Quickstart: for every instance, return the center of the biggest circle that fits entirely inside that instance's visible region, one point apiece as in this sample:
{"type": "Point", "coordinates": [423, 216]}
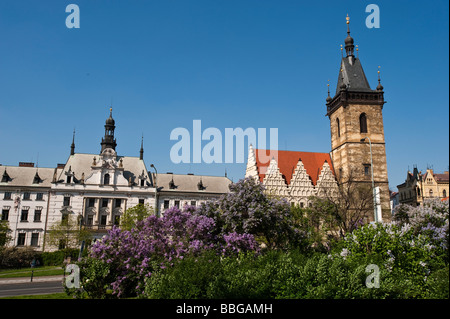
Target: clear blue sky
{"type": "Point", "coordinates": [229, 63]}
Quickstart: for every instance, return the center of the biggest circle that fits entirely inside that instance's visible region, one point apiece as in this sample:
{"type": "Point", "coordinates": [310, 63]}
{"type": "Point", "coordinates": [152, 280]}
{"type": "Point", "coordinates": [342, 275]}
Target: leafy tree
{"type": "Point", "coordinates": [134, 214]}
{"type": "Point", "coordinates": [5, 236]}
{"type": "Point", "coordinates": [68, 233]}
{"type": "Point", "coordinates": [247, 209]}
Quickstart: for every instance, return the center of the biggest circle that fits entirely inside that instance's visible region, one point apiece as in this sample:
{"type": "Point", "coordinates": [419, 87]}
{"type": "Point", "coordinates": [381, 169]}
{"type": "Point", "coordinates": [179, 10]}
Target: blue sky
{"type": "Point", "coordinates": [248, 63]}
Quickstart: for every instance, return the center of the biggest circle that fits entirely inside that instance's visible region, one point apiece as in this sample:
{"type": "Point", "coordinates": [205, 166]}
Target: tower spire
{"type": "Point", "coordinates": [141, 152]}
{"type": "Point", "coordinates": [109, 141]}
{"type": "Point", "coordinates": [72, 147]}
{"type": "Point", "coordinates": [349, 47]}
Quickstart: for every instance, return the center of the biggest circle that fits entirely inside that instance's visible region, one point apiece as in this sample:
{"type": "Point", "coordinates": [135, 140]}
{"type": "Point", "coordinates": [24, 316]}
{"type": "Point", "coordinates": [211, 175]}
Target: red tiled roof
{"type": "Point", "coordinates": [287, 162]}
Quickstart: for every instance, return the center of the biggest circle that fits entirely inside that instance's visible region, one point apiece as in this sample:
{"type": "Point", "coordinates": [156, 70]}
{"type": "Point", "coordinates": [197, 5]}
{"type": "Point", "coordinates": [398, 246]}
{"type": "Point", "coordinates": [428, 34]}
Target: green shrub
{"type": "Point", "coordinates": [56, 258]}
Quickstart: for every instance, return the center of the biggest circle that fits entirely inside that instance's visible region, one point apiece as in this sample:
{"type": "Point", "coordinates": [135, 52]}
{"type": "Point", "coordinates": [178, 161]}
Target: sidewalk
{"type": "Point", "coordinates": [28, 279]}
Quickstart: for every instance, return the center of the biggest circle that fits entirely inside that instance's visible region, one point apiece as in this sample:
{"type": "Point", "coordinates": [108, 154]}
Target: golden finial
{"type": "Point", "coordinates": [348, 19]}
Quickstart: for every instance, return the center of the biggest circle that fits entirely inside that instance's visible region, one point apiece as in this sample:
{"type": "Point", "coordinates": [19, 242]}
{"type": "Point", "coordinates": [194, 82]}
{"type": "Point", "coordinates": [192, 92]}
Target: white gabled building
{"type": "Point", "coordinates": [95, 188]}
{"type": "Point", "coordinates": [294, 176]}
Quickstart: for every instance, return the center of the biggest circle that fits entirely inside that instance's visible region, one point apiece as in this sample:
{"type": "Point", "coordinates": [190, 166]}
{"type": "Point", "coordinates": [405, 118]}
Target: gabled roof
{"type": "Point", "coordinates": [25, 176]}
{"type": "Point", "coordinates": [287, 162]}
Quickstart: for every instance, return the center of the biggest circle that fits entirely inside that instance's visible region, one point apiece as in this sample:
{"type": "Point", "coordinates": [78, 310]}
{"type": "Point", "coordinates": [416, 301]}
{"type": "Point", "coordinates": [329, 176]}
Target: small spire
{"type": "Point", "coordinates": [141, 152]}
{"type": "Point", "coordinates": [72, 147]}
{"type": "Point", "coordinates": [328, 97]}
{"type": "Point", "coordinates": [379, 86]}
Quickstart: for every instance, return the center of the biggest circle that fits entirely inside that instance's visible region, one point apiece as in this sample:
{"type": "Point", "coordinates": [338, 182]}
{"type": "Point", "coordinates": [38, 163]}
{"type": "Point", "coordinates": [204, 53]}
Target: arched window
{"type": "Point", "coordinates": [444, 193]}
{"type": "Point", "coordinates": [338, 127]}
{"type": "Point", "coordinates": [363, 123]}
{"type": "Point", "coordinates": [431, 193]}
{"type": "Point", "coordinates": [106, 179]}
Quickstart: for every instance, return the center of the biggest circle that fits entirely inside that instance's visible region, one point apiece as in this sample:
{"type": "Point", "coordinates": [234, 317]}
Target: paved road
{"type": "Point", "coordinates": [23, 286]}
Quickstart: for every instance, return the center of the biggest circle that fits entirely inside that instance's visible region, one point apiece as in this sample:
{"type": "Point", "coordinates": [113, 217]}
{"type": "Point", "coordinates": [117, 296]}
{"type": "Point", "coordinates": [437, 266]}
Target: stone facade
{"type": "Point", "coordinates": [357, 143]}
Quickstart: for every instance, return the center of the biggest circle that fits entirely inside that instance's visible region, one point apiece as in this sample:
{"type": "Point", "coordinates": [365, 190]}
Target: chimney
{"type": "Point", "coordinates": [26, 164]}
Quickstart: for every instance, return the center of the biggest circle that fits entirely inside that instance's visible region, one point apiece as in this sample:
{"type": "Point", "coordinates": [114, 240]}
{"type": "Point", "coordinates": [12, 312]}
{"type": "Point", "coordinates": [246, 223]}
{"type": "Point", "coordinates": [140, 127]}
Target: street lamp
{"type": "Point", "coordinates": [373, 183]}
{"type": "Point", "coordinates": [156, 191]}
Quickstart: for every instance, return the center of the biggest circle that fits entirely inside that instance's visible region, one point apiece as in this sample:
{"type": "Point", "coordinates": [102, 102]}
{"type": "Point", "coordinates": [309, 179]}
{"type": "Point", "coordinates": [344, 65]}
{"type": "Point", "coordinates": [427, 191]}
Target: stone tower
{"type": "Point", "coordinates": [357, 133]}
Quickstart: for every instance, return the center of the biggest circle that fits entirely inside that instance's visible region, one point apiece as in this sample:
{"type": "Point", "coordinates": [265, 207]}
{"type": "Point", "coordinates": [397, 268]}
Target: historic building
{"type": "Point", "coordinates": [357, 143]}
{"type": "Point", "coordinates": [95, 188]}
{"type": "Point", "coordinates": [419, 187]}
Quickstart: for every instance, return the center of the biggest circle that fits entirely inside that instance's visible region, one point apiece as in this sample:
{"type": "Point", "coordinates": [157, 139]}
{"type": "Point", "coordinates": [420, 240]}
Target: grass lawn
{"type": "Point", "coordinates": [26, 272]}
{"type": "Point", "coordinates": [59, 295]}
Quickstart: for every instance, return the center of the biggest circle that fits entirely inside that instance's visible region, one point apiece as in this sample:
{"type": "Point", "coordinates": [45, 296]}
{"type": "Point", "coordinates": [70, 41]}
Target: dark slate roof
{"type": "Point", "coordinates": [353, 74]}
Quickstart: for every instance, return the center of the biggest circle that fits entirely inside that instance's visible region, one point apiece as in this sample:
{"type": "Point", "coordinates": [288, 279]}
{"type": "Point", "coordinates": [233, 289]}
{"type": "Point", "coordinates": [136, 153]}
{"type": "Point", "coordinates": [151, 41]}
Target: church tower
{"type": "Point", "coordinates": [357, 133]}
{"type": "Point", "coordinates": [109, 141]}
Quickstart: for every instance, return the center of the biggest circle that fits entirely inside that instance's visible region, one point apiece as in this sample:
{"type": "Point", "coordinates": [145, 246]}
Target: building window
{"type": "Point", "coordinates": [166, 204]}
{"type": "Point", "coordinates": [7, 195]}
{"type": "Point", "coordinates": [444, 193]}
{"type": "Point", "coordinates": [106, 179]}
{"type": "Point", "coordinates": [338, 127]}
{"type": "Point", "coordinates": [117, 220]}
{"type": "Point", "coordinates": [90, 220]}
{"type": "Point", "coordinates": [24, 215]}
{"type": "Point", "coordinates": [21, 239]}
{"type": "Point", "coordinates": [5, 214]}
{"type": "Point", "coordinates": [66, 201]}
{"type": "Point", "coordinates": [69, 179]}
{"type": "Point", "coordinates": [37, 215]}
{"type": "Point", "coordinates": [431, 193]}
{"type": "Point", "coordinates": [141, 201]}
{"type": "Point", "coordinates": [35, 239]}
{"type": "Point", "coordinates": [142, 182]}
{"type": "Point", "coordinates": [26, 196]}
{"type": "Point", "coordinates": [104, 202]}
{"type": "Point", "coordinates": [118, 202]}
{"type": "Point", "coordinates": [91, 202]}
{"type": "Point", "coordinates": [363, 123]}
{"type": "Point", "coordinates": [302, 205]}
{"type": "Point", "coordinates": [177, 204]}
{"type": "Point", "coordinates": [193, 203]}
{"type": "Point", "coordinates": [418, 191]}
{"type": "Point", "coordinates": [39, 196]}
{"type": "Point", "coordinates": [103, 220]}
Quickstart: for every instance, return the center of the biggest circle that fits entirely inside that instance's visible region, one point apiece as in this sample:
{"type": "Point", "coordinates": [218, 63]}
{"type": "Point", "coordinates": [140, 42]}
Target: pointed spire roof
{"type": "Point", "coordinates": [141, 152]}
{"type": "Point", "coordinates": [72, 147]}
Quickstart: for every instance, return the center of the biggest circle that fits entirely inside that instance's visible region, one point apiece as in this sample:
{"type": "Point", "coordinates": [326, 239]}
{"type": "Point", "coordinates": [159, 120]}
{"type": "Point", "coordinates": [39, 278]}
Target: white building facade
{"type": "Point", "coordinates": [94, 188]}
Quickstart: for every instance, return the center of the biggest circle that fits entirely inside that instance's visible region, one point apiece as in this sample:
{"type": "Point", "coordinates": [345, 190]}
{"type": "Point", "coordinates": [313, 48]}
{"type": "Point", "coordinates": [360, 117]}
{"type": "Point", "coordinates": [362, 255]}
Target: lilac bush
{"type": "Point", "coordinates": [155, 243]}
{"type": "Point", "coordinates": [247, 209]}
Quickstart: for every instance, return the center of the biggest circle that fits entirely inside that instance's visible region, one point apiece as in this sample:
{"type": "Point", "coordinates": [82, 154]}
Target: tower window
{"type": "Point", "coordinates": [444, 193]}
{"type": "Point", "coordinates": [363, 123]}
{"type": "Point", "coordinates": [106, 179]}
{"type": "Point", "coordinates": [367, 169]}
{"type": "Point", "coordinates": [338, 128]}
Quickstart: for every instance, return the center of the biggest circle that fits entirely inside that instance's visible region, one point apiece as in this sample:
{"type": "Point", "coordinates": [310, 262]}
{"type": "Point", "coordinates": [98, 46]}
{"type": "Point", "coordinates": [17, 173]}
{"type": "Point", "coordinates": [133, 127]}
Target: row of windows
{"type": "Point", "coordinates": [430, 194]}
{"type": "Point", "coordinates": [362, 124]}
{"type": "Point", "coordinates": [177, 203]}
{"type": "Point", "coordinates": [23, 215]}
{"type": "Point", "coordinates": [21, 238]}
{"type": "Point", "coordinates": [25, 196]}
